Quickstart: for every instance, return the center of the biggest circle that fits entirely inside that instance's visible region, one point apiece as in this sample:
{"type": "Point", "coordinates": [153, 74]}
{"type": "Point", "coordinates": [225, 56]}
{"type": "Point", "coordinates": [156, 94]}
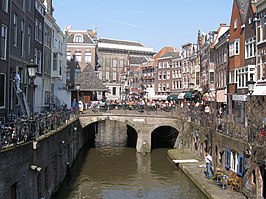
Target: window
{"type": "Point", "coordinates": [36, 29]}
{"type": "Point", "coordinates": [234, 48]}
{"type": "Point", "coordinates": [197, 78]}
{"type": "Point", "coordinates": [40, 32]}
{"type": "Point", "coordinates": [2, 89]}
{"type": "Point", "coordinates": [227, 158]}
{"type": "Point", "coordinates": [67, 73]}
{"type": "Point", "coordinates": [78, 38]}
{"type": "Point", "coordinates": [250, 48]}
{"type": "Point", "coordinates": [3, 42]}
{"type": "Point", "coordinates": [23, 5]}
{"type": "Point", "coordinates": [233, 162]}
{"type": "Point", "coordinates": [114, 76]}
{"type": "Point", "coordinates": [39, 69]}
{"type": "Point", "coordinates": [45, 39]}
{"type": "Point", "coordinates": [211, 77]}
{"type": "Point", "coordinates": [15, 27]}
{"type": "Point", "coordinates": [55, 61]}
{"type": "Point", "coordinates": [5, 5]}
{"type": "Point", "coordinates": [240, 169]}
{"type": "Point", "coordinates": [22, 37]}
{"type": "Point", "coordinates": [121, 62]}
{"type": "Point", "coordinates": [114, 64]}
{"type": "Point", "coordinates": [77, 73]}
{"type": "Point", "coordinates": [243, 75]}
{"type": "Point", "coordinates": [14, 191]}
{"type": "Point", "coordinates": [60, 67]}
{"type": "Point", "coordinates": [114, 91]}
{"type": "Point", "coordinates": [30, 5]}
{"type": "Point", "coordinates": [78, 56]}
{"type": "Point", "coordinates": [259, 34]}
{"type": "Point", "coordinates": [36, 56]}
{"type": "Point", "coordinates": [160, 76]}
{"type": "Point", "coordinates": [68, 55]}
{"type": "Point", "coordinates": [164, 75]}
{"type": "Point", "coordinates": [88, 56]}
{"type": "Point", "coordinates": [29, 39]}
{"type": "Point", "coordinates": [235, 23]}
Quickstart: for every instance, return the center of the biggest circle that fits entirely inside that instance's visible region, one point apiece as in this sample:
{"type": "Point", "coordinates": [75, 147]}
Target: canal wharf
{"type": "Point", "coordinates": [194, 170]}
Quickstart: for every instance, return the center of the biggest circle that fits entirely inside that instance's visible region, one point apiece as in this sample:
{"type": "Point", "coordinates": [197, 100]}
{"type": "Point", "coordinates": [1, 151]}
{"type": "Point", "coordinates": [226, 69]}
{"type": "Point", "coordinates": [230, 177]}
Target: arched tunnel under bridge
{"type": "Point", "coordinates": [110, 133]}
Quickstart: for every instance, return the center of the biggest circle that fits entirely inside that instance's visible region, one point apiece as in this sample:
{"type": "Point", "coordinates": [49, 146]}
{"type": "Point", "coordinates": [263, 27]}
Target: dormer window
{"type": "Point", "coordinates": [235, 24]}
{"type": "Point", "coordinates": [78, 39]}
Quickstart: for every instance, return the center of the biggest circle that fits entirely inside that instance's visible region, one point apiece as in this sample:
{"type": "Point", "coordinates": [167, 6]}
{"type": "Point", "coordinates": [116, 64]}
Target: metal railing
{"type": "Point", "coordinates": [26, 129]}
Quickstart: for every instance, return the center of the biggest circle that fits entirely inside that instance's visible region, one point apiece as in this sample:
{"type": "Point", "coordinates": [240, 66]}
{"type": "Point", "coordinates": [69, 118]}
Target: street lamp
{"type": "Point", "coordinates": [32, 69]}
{"type": "Point", "coordinates": [78, 88]}
{"type": "Point", "coordinates": [191, 85]}
{"type": "Point", "coordinates": [251, 85]}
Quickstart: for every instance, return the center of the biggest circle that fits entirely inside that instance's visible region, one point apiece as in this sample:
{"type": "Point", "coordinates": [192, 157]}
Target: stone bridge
{"type": "Point", "coordinates": [143, 124]}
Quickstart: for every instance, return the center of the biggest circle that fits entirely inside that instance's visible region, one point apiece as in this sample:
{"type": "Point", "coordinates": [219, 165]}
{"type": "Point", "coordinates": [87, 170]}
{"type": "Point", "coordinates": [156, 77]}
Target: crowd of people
{"type": "Point", "coordinates": [189, 106]}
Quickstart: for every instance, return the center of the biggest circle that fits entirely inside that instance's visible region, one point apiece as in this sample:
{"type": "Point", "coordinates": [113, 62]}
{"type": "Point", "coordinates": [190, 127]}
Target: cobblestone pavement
{"type": "Point", "coordinates": [195, 171]}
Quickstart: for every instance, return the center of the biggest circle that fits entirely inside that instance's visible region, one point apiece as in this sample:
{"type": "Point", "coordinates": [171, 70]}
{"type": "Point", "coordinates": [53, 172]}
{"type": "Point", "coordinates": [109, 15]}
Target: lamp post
{"type": "Point", "coordinates": [251, 85]}
{"type": "Point", "coordinates": [78, 88]}
{"type": "Point", "coordinates": [32, 69]}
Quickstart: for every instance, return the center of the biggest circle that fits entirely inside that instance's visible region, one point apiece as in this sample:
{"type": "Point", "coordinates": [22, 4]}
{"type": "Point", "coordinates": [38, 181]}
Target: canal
{"type": "Point", "coordinates": [121, 172]}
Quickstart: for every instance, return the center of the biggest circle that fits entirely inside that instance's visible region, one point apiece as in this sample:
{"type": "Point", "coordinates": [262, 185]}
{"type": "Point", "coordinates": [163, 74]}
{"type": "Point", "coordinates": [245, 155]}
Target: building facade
{"type": "Point", "coordinates": [4, 60]}
{"type": "Point", "coordinates": [113, 56]}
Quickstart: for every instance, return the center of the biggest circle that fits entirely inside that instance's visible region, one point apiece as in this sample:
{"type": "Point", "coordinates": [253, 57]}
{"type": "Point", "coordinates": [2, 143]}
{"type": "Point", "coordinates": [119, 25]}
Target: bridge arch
{"type": "Point", "coordinates": [91, 120]}
{"type": "Point", "coordinates": [144, 125]}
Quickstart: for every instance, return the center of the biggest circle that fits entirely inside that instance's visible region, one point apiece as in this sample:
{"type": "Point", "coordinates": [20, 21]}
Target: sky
{"type": "Point", "coordinates": [153, 23]}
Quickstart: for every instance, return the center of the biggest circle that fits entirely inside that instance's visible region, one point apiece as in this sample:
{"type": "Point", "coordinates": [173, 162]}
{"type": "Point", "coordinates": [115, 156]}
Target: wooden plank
{"type": "Point", "coordinates": [185, 161]}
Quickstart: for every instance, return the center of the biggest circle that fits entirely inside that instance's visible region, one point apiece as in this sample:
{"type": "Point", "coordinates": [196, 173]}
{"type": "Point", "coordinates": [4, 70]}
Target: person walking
{"type": "Point", "coordinates": [208, 160]}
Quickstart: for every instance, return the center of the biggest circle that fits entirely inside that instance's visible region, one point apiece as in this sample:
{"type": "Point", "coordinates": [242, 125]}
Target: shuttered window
{"type": "Point", "coordinates": [227, 159]}
{"type": "Point", "coordinates": [240, 169]}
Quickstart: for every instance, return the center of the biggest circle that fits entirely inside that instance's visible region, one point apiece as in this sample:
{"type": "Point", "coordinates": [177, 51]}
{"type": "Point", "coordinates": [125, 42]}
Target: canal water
{"type": "Point", "coordinates": [121, 173]}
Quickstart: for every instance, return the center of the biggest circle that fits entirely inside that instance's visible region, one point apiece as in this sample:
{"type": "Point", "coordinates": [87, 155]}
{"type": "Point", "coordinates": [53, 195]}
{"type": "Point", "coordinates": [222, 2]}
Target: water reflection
{"type": "Point", "coordinates": [117, 173]}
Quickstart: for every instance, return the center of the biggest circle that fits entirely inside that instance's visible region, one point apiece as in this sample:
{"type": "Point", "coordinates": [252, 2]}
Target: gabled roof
{"type": "Point", "coordinates": [165, 50]}
{"type": "Point", "coordinates": [137, 60]}
{"type": "Point", "coordinates": [120, 42]}
{"type": "Point", "coordinates": [89, 81]}
{"type": "Point", "coordinates": [173, 55]}
{"type": "Point", "coordinates": [86, 37]}
{"type": "Point", "coordinates": [221, 30]}
{"type": "Point", "coordinates": [243, 7]}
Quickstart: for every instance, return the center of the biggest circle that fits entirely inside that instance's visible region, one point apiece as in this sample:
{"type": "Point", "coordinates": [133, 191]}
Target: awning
{"type": "Point", "coordinates": [181, 95]}
{"type": "Point", "coordinates": [260, 89]}
{"type": "Point", "coordinates": [158, 97]}
{"type": "Point", "coordinates": [221, 97]}
{"type": "Point", "coordinates": [172, 97]}
{"type": "Point", "coordinates": [209, 96]}
{"type": "Point", "coordinates": [188, 95]}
